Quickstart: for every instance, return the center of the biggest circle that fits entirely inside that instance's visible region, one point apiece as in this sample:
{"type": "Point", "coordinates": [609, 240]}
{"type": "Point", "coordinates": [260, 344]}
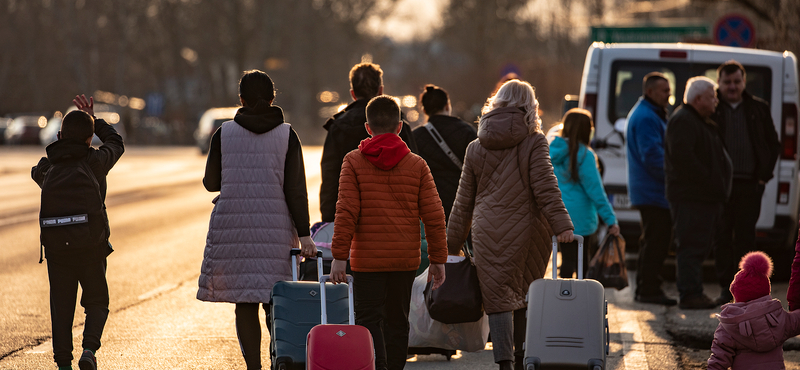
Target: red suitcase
{"type": "Point", "coordinates": [339, 347]}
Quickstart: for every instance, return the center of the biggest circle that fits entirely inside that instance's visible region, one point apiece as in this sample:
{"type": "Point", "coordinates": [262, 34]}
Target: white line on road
{"type": "Point", "coordinates": [162, 289]}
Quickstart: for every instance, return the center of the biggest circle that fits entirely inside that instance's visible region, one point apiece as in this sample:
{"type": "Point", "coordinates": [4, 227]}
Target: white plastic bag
{"type": "Point", "coordinates": [426, 332]}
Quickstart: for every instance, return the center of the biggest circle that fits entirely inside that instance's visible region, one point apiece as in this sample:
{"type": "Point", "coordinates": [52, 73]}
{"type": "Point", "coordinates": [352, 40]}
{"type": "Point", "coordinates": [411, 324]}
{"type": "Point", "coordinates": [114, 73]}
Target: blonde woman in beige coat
{"type": "Point", "coordinates": [509, 197]}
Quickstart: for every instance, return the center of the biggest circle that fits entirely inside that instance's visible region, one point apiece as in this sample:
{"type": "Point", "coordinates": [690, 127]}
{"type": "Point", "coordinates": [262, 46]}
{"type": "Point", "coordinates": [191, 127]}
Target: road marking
{"type": "Point", "coordinates": [162, 289]}
{"type": "Point", "coordinates": [47, 346]}
{"type": "Point", "coordinates": [633, 347]}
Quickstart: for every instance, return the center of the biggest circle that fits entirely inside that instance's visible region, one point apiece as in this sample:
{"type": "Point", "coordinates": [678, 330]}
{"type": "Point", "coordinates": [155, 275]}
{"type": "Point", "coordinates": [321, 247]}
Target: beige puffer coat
{"type": "Point", "coordinates": [512, 218]}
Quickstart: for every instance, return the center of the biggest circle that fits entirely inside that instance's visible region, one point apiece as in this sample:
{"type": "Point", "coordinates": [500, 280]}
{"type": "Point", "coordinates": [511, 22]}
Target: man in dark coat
{"type": "Point", "coordinates": [698, 182]}
{"type": "Point", "coordinates": [746, 127]}
{"type": "Point", "coordinates": [346, 130]}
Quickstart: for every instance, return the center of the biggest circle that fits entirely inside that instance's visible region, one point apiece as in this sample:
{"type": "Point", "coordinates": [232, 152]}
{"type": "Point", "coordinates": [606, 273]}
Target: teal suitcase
{"type": "Point", "coordinates": [295, 310]}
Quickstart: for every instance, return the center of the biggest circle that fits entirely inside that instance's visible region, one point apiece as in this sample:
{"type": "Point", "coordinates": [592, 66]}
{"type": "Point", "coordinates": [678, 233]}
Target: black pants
{"type": "Point", "coordinates": [382, 301]}
{"type": "Point", "coordinates": [64, 280]}
{"type": "Point", "coordinates": [695, 229]}
{"type": "Point", "coordinates": [248, 330]}
{"type": "Point", "coordinates": [653, 248]}
{"type": "Point", "coordinates": [737, 230]}
{"type": "Point", "coordinates": [569, 256]}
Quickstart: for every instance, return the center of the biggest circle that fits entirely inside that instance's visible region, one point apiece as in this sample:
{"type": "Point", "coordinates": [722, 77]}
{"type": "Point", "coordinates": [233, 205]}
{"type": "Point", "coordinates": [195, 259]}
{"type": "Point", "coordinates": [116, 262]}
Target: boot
{"type": "Point", "coordinates": [506, 365]}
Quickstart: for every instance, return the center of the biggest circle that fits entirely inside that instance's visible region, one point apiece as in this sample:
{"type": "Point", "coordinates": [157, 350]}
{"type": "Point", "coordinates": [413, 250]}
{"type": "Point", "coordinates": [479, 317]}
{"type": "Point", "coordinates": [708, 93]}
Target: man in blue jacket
{"type": "Point", "coordinates": [647, 124]}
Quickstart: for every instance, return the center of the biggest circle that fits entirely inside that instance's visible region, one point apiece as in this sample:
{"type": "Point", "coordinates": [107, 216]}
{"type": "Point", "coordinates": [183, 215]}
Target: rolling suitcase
{"type": "Point", "coordinates": [295, 310]}
{"type": "Point", "coordinates": [339, 347]}
{"type": "Point", "coordinates": [567, 323]}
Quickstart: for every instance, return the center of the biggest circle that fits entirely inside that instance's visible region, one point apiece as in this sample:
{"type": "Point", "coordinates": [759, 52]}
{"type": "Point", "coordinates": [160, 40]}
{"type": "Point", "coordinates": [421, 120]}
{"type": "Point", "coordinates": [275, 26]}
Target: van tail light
{"type": "Point", "coordinates": [589, 102]}
{"type": "Point", "coordinates": [783, 192]}
{"type": "Point", "coordinates": [789, 131]}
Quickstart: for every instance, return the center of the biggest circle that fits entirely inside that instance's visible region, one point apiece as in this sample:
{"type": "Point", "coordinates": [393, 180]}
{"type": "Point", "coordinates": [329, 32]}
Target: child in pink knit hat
{"type": "Point", "coordinates": [752, 330]}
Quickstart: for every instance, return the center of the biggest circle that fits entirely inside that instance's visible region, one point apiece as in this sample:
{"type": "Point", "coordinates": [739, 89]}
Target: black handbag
{"type": "Point", "coordinates": [458, 299]}
{"type": "Point", "coordinates": [608, 264]}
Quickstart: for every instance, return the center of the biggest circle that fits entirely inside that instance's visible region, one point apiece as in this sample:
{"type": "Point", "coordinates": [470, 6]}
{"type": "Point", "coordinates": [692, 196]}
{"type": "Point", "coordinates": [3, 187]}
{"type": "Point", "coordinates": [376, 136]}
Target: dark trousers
{"type": "Point", "coordinates": [737, 230]}
{"type": "Point", "coordinates": [382, 301]}
{"type": "Point", "coordinates": [64, 280]}
{"type": "Point", "coordinates": [695, 228]}
{"type": "Point", "coordinates": [569, 256]}
{"type": "Point", "coordinates": [248, 330]}
{"type": "Point", "coordinates": [654, 245]}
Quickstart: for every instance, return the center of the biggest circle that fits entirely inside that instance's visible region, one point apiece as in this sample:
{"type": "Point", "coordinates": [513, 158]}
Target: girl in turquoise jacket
{"type": "Point", "coordinates": [575, 166]}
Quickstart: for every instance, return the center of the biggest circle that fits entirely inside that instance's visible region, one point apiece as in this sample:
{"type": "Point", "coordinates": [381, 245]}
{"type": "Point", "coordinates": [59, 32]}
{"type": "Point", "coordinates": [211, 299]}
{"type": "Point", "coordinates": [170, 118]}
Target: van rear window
{"type": "Point", "coordinates": [627, 75]}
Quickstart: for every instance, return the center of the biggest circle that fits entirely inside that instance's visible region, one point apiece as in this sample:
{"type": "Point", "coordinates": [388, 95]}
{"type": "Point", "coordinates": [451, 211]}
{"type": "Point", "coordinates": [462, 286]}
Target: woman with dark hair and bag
{"type": "Point", "coordinates": [575, 166]}
{"type": "Point", "coordinates": [441, 133]}
{"type": "Point", "coordinates": [509, 198]}
{"type": "Point", "coordinates": [255, 161]}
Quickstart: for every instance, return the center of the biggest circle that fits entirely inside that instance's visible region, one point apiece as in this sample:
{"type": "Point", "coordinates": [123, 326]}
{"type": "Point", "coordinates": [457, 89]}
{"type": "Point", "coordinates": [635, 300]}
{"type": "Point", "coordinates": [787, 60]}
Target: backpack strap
{"type": "Point", "coordinates": [442, 144]}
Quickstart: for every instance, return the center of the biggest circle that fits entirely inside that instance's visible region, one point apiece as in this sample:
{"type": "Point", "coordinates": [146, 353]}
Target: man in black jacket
{"type": "Point", "coordinates": [746, 127]}
{"type": "Point", "coordinates": [346, 130]}
{"type": "Point", "coordinates": [87, 268]}
{"type": "Point", "coordinates": [698, 182]}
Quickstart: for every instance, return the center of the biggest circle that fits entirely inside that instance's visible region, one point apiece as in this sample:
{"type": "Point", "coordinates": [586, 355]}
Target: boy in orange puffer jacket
{"type": "Point", "coordinates": [384, 190]}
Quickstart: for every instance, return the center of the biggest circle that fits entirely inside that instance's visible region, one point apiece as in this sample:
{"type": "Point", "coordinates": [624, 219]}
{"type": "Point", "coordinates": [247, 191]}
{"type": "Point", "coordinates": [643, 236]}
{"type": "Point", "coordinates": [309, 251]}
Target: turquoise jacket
{"type": "Point", "coordinates": [586, 198]}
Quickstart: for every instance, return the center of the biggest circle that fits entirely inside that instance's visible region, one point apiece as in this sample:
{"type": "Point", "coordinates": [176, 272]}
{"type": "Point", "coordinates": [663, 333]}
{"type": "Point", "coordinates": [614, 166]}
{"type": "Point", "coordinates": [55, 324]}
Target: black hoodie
{"type": "Point", "coordinates": [261, 119]}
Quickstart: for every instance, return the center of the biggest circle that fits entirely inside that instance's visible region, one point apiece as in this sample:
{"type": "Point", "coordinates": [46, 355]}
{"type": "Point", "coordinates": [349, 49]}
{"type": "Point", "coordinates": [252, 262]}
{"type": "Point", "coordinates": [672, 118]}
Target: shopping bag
{"type": "Point", "coordinates": [458, 299]}
{"type": "Point", "coordinates": [608, 264]}
{"type": "Point", "coordinates": [427, 332]}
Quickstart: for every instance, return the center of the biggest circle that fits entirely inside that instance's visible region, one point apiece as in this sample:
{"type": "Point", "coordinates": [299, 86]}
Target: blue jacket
{"type": "Point", "coordinates": [586, 197]}
{"type": "Point", "coordinates": [645, 148]}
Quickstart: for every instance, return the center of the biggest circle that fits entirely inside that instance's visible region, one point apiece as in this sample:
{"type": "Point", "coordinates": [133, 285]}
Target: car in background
{"type": "Point", "coordinates": [4, 122]}
{"type": "Point", "coordinates": [210, 121]}
{"type": "Point", "coordinates": [612, 83]}
{"type": "Point", "coordinates": [101, 111]}
{"type": "Point", "coordinates": [24, 130]}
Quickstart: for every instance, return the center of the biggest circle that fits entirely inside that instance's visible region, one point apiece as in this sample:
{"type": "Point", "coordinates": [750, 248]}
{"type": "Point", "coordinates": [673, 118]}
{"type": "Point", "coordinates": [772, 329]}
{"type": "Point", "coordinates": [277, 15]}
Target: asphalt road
{"type": "Point", "coordinates": [159, 211]}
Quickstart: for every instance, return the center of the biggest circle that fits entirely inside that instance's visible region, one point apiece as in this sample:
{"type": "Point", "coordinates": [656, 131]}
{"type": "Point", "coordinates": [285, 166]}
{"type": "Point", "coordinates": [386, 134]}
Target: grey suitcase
{"type": "Point", "coordinates": [567, 321]}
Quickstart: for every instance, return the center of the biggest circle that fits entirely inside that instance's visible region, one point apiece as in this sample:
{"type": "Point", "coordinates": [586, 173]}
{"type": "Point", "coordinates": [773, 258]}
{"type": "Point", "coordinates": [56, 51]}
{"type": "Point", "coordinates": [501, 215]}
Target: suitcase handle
{"type": "Point", "coordinates": [350, 305]}
{"type": "Point", "coordinates": [294, 253]}
{"type": "Point", "coordinates": [580, 257]}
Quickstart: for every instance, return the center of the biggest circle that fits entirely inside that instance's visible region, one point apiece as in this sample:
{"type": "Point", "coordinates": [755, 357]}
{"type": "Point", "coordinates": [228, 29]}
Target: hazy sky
{"type": "Point", "coordinates": [407, 19]}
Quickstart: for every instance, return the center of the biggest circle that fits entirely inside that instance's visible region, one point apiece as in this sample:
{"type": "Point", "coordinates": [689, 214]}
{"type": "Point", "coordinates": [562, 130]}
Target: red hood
{"type": "Point", "coordinates": [384, 151]}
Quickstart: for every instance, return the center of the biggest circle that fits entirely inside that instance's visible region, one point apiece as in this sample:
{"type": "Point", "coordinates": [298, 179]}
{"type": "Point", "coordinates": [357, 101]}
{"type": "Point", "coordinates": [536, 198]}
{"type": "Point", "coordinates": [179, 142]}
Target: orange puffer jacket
{"type": "Point", "coordinates": [378, 213]}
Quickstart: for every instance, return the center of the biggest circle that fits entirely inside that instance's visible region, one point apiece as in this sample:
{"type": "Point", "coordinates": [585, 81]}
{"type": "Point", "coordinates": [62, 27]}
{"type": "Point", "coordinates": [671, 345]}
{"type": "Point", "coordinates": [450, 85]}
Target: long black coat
{"type": "Point", "coordinates": [696, 165]}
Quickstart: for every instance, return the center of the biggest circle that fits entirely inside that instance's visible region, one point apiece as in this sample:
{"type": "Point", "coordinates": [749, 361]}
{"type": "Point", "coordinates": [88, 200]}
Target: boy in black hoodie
{"type": "Point", "coordinates": [63, 221]}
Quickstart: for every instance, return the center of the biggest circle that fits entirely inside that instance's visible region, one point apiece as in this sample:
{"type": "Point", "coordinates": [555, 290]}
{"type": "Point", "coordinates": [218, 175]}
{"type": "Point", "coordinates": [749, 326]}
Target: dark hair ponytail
{"type": "Point", "coordinates": [434, 99]}
{"type": "Point", "coordinates": [255, 86]}
{"type": "Point", "coordinates": [577, 130]}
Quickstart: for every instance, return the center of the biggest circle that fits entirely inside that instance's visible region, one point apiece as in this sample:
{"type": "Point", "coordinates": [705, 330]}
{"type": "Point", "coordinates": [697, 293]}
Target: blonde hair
{"type": "Point", "coordinates": [516, 93]}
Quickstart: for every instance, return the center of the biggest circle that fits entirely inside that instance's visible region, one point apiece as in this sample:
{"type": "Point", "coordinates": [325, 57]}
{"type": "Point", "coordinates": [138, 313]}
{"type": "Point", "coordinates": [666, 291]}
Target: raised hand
{"type": "Point", "coordinates": [86, 105]}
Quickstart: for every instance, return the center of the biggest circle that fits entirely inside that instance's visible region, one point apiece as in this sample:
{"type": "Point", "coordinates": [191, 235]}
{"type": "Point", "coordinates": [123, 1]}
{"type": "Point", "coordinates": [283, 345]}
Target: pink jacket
{"type": "Point", "coordinates": [750, 335]}
{"type": "Point", "coordinates": [793, 294]}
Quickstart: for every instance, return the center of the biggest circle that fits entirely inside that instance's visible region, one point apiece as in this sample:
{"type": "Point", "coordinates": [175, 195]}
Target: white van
{"type": "Point", "coordinates": [612, 83]}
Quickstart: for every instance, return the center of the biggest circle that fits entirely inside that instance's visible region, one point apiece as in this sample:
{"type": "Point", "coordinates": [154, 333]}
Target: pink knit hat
{"type": "Point", "coordinates": [752, 280]}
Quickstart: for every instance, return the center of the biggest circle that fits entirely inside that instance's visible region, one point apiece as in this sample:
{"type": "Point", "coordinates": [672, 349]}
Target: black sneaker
{"type": "Point", "coordinates": [698, 302]}
{"type": "Point", "coordinates": [87, 361]}
{"type": "Point", "coordinates": [661, 299]}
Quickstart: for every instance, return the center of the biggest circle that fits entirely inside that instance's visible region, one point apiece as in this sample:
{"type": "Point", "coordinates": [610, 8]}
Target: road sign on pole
{"type": "Point", "coordinates": [735, 30]}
